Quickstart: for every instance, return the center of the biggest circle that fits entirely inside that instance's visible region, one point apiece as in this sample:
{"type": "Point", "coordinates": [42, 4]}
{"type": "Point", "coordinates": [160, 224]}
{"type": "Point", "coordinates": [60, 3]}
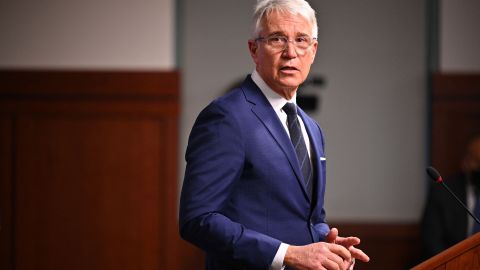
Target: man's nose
{"type": "Point", "coordinates": [290, 50]}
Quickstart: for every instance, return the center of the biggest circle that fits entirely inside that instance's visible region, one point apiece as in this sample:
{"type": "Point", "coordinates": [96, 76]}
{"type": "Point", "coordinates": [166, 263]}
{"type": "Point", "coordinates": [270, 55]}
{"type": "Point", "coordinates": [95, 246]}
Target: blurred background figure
{"type": "Point", "coordinates": [444, 222]}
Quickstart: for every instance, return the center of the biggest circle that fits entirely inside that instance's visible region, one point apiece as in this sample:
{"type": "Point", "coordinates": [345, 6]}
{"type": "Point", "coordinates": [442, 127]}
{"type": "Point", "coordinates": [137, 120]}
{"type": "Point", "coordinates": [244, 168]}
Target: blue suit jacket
{"type": "Point", "coordinates": [243, 192]}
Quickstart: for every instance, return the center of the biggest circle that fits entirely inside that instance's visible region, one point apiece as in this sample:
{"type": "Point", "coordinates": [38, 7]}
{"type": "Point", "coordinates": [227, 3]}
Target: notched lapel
{"type": "Point", "coordinates": [316, 147]}
{"type": "Point", "coordinates": [265, 113]}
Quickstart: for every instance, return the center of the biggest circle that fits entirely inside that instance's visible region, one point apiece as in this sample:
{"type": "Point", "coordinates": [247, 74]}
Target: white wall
{"type": "Point", "coordinates": [89, 34]}
{"type": "Point", "coordinates": [459, 36]}
{"type": "Point", "coordinates": [372, 54]}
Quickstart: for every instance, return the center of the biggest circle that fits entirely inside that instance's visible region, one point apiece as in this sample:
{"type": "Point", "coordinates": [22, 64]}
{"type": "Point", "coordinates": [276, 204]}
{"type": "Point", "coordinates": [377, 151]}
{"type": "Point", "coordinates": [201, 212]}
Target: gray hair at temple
{"type": "Point", "coordinates": [266, 7]}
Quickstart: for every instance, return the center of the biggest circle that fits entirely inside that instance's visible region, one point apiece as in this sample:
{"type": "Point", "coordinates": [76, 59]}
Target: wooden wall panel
{"type": "Point", "coordinates": [89, 170]}
{"type": "Point", "coordinates": [6, 214]}
{"type": "Point", "coordinates": [76, 84]}
{"type": "Point", "coordinates": [392, 246]}
{"type": "Point", "coordinates": [455, 118]}
{"type": "Point", "coordinates": [106, 214]}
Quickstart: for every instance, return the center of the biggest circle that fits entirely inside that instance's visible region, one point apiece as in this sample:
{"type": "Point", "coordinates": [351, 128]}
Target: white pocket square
{"type": "Point", "coordinates": [322, 159]}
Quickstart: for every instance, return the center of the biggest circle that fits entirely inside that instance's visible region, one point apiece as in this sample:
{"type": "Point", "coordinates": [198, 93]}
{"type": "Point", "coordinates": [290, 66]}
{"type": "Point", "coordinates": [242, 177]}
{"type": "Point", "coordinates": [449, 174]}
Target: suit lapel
{"type": "Point", "coordinates": [265, 113]}
{"type": "Point", "coordinates": [316, 148]}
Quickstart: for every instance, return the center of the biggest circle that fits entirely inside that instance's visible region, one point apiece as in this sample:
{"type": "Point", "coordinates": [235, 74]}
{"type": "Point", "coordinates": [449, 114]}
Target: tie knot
{"type": "Point", "coordinates": [290, 109]}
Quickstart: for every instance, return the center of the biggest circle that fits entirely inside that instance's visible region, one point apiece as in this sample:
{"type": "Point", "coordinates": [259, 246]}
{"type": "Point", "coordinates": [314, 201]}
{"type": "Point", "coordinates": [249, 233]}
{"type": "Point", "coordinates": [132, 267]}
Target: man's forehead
{"type": "Point", "coordinates": [286, 22]}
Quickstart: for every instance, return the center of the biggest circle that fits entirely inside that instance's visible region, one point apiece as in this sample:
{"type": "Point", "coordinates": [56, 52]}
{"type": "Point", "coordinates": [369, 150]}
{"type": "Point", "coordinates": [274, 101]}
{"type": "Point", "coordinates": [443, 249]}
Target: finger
{"type": "Point", "coordinates": [359, 254]}
{"type": "Point", "coordinates": [332, 265]}
{"type": "Point", "coordinates": [347, 241]}
{"type": "Point", "coordinates": [340, 251]}
{"type": "Point", "coordinates": [335, 258]}
{"type": "Point", "coordinates": [332, 235]}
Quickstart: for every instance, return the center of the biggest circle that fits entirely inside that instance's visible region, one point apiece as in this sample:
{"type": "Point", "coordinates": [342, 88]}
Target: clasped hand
{"type": "Point", "coordinates": [335, 253]}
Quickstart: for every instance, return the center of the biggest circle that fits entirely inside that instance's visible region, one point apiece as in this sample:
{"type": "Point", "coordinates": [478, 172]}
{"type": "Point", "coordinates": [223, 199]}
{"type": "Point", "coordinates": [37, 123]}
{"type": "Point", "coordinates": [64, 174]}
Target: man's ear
{"type": "Point", "coordinates": [252, 48]}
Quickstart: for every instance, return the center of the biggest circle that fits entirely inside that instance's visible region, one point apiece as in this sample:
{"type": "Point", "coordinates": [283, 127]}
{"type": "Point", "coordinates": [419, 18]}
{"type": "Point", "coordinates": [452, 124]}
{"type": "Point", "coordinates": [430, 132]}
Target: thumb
{"type": "Point", "coordinates": [331, 236]}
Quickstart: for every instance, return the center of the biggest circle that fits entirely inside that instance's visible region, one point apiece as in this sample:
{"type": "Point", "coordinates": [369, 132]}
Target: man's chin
{"type": "Point", "coordinates": [290, 84]}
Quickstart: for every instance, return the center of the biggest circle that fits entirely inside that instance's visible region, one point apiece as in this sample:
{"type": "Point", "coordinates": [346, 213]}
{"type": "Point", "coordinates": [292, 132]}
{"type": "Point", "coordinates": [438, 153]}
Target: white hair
{"type": "Point", "coordinates": [264, 8]}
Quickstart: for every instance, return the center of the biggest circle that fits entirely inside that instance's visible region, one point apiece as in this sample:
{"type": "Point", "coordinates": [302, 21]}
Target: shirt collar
{"type": "Point", "coordinates": [274, 99]}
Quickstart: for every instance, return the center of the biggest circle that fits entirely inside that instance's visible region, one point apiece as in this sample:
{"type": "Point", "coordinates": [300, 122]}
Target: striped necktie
{"type": "Point", "coordinates": [298, 142]}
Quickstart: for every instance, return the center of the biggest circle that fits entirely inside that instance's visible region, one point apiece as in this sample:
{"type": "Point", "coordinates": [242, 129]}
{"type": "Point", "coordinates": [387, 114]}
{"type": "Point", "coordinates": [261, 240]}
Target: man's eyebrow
{"type": "Point", "coordinates": [277, 33]}
{"type": "Point", "coordinates": [280, 33]}
{"type": "Point", "coordinates": [301, 34]}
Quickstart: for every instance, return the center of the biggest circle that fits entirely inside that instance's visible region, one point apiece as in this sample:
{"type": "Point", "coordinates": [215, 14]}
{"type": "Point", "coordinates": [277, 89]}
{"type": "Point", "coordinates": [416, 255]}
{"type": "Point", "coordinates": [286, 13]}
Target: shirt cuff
{"type": "Point", "coordinates": [277, 263]}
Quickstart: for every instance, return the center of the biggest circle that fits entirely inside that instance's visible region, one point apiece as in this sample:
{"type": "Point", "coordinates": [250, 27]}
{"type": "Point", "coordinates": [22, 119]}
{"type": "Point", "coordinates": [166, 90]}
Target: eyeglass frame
{"type": "Point", "coordinates": [266, 39]}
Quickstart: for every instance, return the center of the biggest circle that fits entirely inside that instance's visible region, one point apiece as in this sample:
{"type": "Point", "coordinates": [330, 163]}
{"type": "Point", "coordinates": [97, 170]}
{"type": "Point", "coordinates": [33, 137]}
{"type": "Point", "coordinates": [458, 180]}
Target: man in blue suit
{"type": "Point", "coordinates": [254, 185]}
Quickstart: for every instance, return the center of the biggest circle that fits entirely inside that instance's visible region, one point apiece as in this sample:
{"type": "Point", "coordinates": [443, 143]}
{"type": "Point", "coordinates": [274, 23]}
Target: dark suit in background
{"type": "Point", "coordinates": [444, 222]}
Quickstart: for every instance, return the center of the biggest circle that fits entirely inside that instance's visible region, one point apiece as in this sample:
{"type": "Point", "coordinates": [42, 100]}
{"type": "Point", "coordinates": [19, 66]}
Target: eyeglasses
{"type": "Point", "coordinates": [279, 43]}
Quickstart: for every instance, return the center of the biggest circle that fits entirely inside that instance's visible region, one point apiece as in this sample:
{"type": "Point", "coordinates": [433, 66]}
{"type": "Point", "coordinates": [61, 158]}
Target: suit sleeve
{"type": "Point", "coordinates": [215, 159]}
{"type": "Point", "coordinates": [321, 227]}
{"type": "Point", "coordinates": [432, 228]}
